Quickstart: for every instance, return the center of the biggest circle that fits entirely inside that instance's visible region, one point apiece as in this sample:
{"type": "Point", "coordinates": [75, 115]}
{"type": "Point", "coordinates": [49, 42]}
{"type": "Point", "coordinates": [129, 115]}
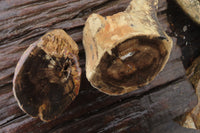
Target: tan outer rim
{"type": "Point", "coordinates": [192, 8]}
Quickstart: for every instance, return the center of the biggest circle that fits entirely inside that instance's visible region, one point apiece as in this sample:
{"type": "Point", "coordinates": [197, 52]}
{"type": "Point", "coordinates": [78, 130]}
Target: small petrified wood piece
{"type": "Point", "coordinates": [192, 8]}
{"type": "Point", "coordinates": [47, 77]}
{"type": "Point", "coordinates": [127, 50]}
{"type": "Point", "coordinates": [192, 118]}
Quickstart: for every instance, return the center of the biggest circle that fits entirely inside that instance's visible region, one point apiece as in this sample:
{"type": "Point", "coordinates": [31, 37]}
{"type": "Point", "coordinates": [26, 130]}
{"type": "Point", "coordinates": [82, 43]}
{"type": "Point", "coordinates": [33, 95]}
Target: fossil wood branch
{"type": "Point", "coordinates": [47, 76]}
{"type": "Point", "coordinates": [127, 50]}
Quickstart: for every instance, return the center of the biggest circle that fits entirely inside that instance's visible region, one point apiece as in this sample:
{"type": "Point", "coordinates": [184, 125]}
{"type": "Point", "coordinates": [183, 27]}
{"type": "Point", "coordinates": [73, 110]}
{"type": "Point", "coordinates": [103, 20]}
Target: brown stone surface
{"type": "Point", "coordinates": [22, 22]}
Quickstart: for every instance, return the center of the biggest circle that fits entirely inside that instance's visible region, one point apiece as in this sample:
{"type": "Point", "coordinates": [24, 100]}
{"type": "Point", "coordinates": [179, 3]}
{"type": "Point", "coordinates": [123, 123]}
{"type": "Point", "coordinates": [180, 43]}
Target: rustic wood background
{"type": "Point", "coordinates": [150, 109]}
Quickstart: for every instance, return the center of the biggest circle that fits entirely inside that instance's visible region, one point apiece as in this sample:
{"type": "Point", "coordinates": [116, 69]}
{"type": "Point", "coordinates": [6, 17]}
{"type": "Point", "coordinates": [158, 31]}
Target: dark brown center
{"type": "Point", "coordinates": [133, 62]}
{"type": "Point", "coordinates": [44, 84]}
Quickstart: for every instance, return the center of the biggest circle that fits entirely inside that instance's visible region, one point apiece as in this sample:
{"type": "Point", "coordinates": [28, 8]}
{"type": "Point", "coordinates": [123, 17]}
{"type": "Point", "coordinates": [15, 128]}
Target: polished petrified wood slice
{"type": "Point", "coordinates": [47, 77]}
{"type": "Point", "coordinates": [192, 118]}
{"type": "Point", "coordinates": [127, 50]}
{"type": "Point", "coordinates": [192, 8]}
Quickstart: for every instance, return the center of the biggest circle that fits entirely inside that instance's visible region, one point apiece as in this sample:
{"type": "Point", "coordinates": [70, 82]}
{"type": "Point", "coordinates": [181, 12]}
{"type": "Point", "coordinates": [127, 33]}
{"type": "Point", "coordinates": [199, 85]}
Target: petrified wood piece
{"type": "Point", "coordinates": [47, 77]}
{"type": "Point", "coordinates": [127, 50]}
{"type": "Point", "coordinates": [192, 8]}
{"type": "Point", "coordinates": [192, 118]}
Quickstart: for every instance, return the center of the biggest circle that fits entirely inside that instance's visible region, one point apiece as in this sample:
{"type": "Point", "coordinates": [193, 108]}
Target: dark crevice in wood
{"type": "Point", "coordinates": [3, 86]}
{"type": "Point", "coordinates": [14, 120]}
{"type": "Point", "coordinates": [75, 30]}
{"type": "Point", "coordinates": [10, 121]}
{"type": "Point", "coordinates": [160, 87]}
{"type": "Point", "coordinates": [7, 80]}
{"type": "Point", "coordinates": [32, 36]}
{"type": "Point", "coordinates": [103, 5]}
{"type": "Point", "coordinates": [162, 12]}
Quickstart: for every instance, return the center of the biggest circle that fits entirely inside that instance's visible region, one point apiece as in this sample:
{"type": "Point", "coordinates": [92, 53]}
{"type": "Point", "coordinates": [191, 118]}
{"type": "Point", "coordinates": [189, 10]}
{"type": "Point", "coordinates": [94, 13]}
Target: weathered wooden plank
{"type": "Point", "coordinates": [162, 106]}
{"type": "Point", "coordinates": [132, 114]}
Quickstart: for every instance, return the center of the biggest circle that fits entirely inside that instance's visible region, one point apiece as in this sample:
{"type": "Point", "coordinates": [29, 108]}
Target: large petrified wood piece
{"type": "Point", "coordinates": [24, 21]}
{"type": "Point", "coordinates": [47, 76]}
{"type": "Point", "coordinates": [126, 50]}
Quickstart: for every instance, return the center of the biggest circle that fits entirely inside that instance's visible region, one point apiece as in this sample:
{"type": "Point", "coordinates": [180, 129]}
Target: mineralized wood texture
{"type": "Point", "coordinates": [24, 21]}
{"type": "Point", "coordinates": [47, 76]}
{"type": "Point", "coordinates": [127, 50]}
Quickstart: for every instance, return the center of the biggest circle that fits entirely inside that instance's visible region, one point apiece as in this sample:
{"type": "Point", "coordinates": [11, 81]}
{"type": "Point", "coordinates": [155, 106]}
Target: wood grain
{"type": "Point", "coordinates": [23, 21]}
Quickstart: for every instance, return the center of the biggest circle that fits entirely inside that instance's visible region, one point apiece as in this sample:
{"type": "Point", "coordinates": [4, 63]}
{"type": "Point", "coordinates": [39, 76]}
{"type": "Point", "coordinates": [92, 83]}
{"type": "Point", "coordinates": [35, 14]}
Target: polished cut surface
{"type": "Point", "coordinates": [47, 77]}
